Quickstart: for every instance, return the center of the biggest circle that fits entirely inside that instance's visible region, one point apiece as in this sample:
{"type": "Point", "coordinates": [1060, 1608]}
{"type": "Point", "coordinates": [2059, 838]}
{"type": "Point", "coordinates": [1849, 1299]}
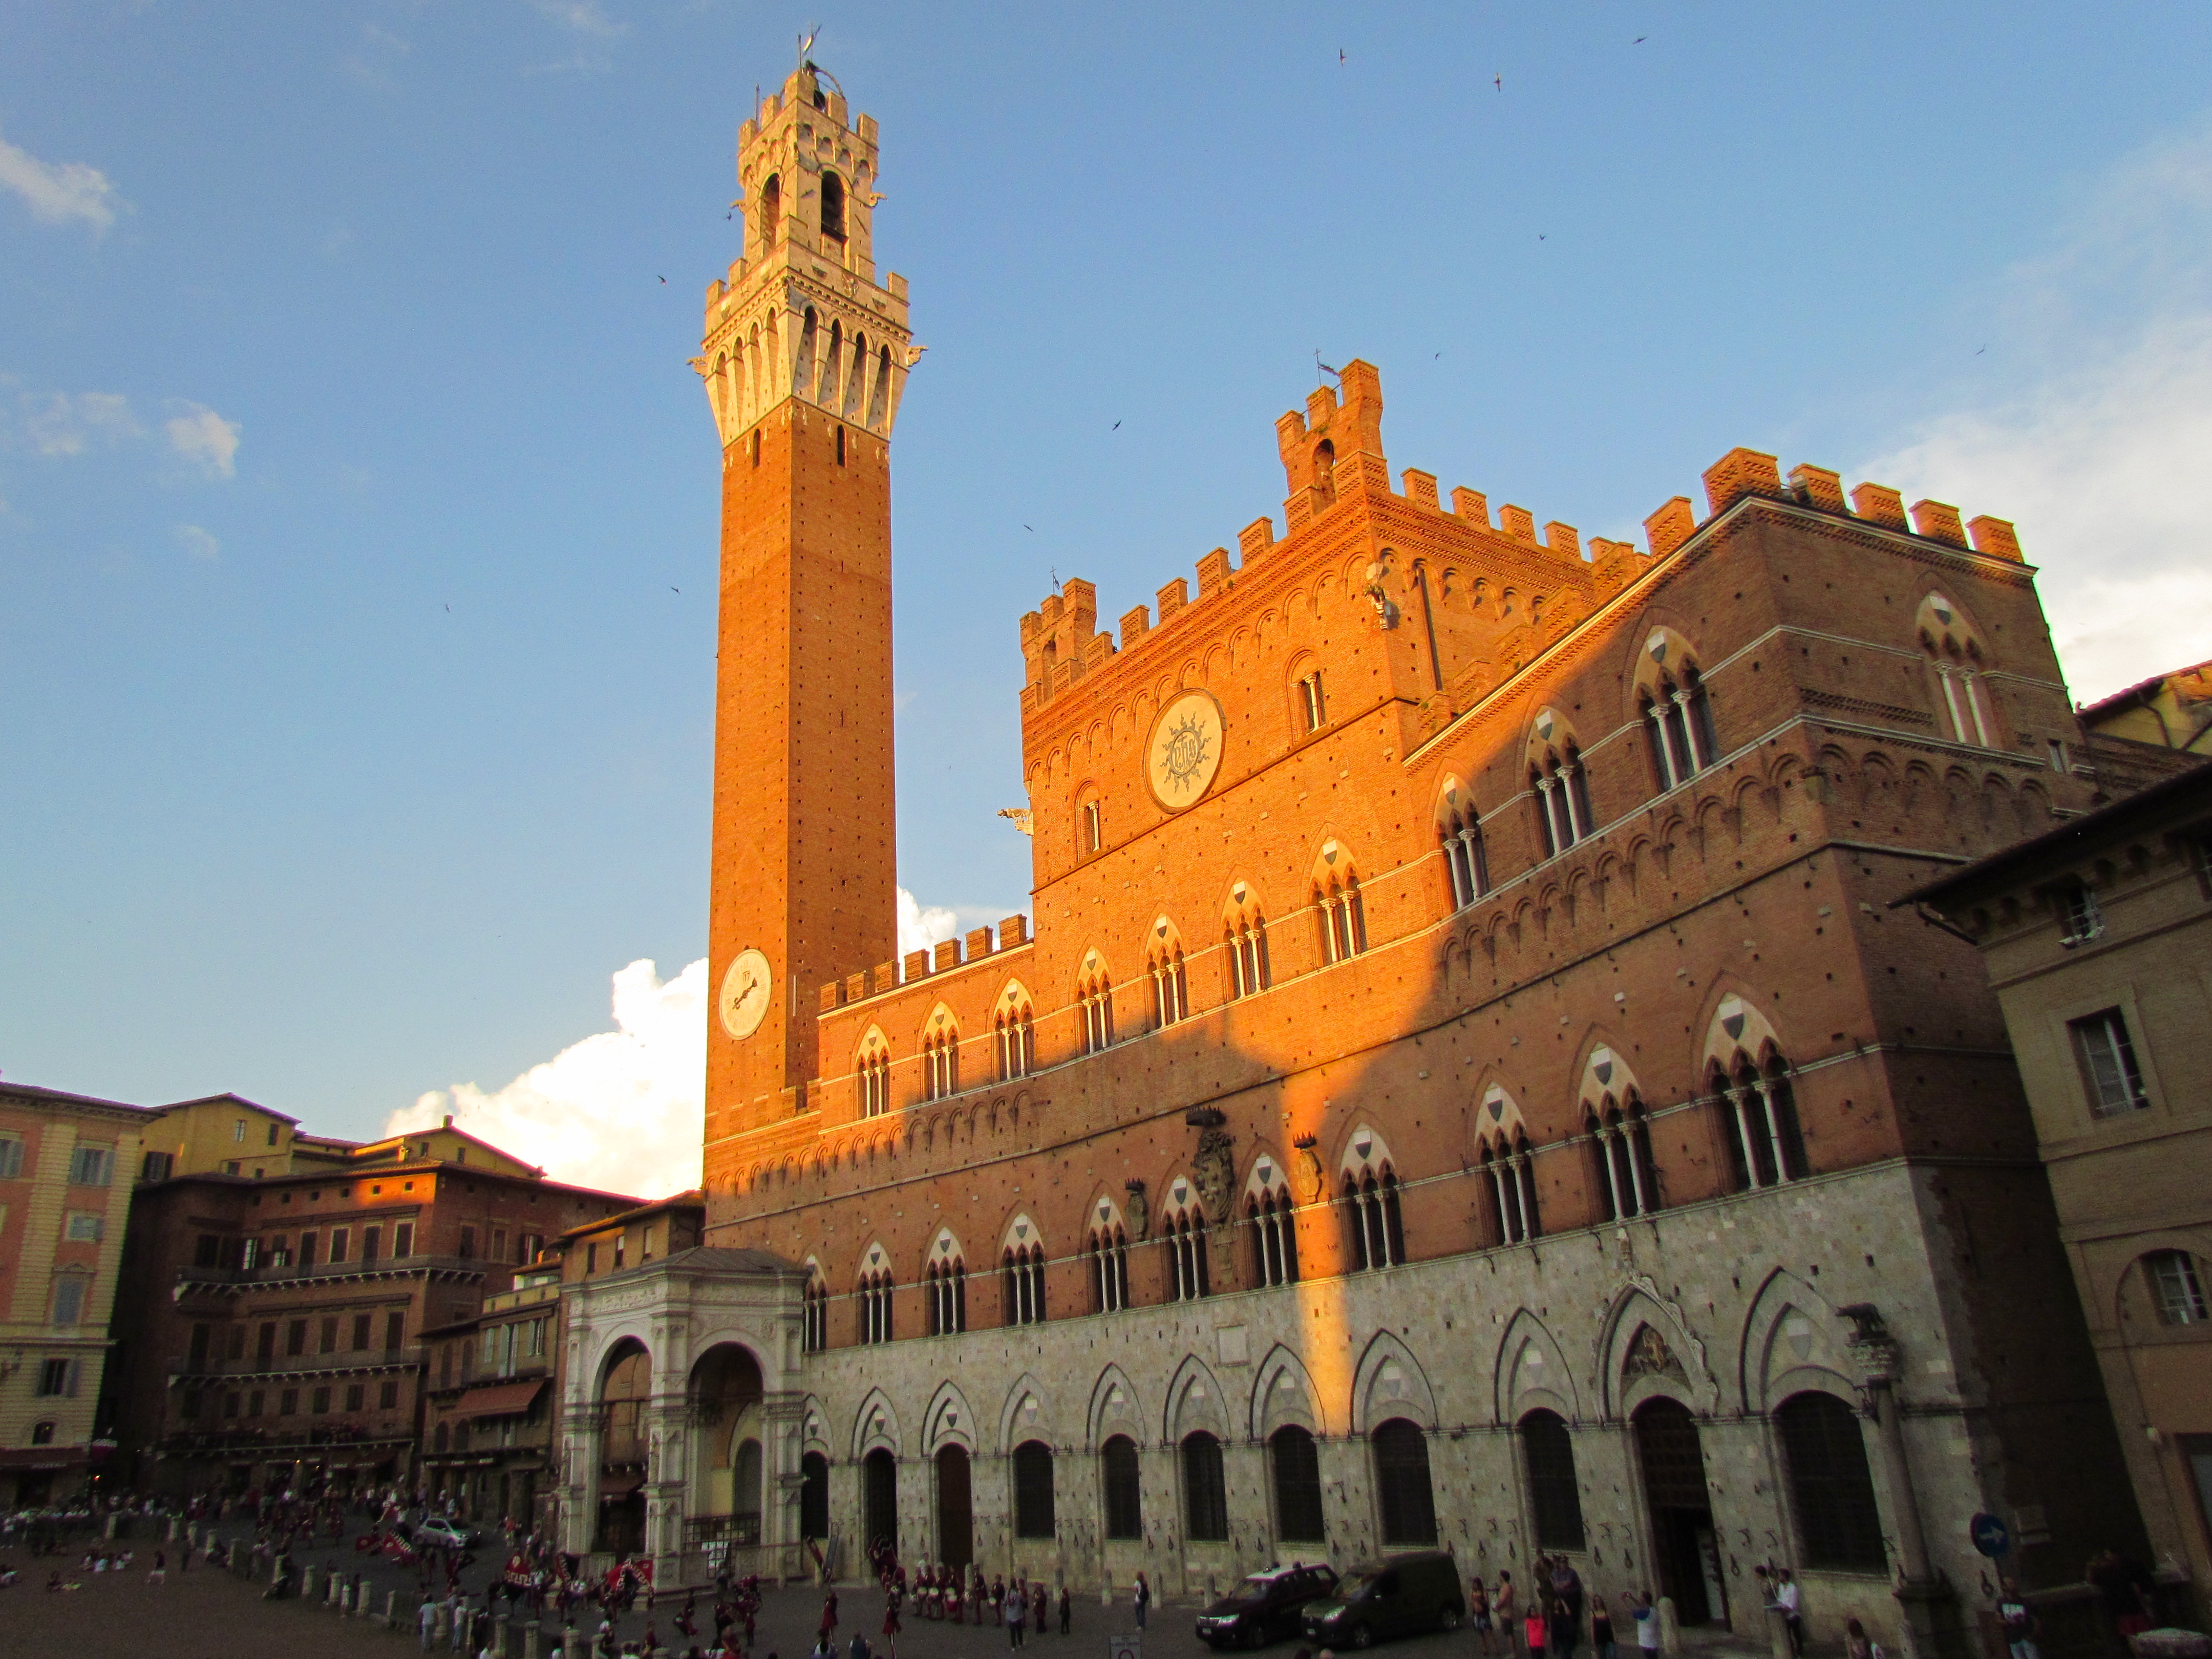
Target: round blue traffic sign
{"type": "Point", "coordinates": [1991, 1535]}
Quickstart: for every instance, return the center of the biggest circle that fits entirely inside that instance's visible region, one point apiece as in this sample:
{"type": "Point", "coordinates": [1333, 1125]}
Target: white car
{"type": "Point", "coordinates": [440, 1533]}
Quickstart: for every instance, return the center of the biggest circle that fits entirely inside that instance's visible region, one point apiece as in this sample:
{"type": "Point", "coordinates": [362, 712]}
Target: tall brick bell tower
{"type": "Point", "coordinates": [805, 357]}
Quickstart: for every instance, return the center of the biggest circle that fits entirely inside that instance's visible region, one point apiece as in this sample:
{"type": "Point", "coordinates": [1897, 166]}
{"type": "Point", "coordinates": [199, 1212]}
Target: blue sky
{"type": "Point", "coordinates": [354, 732]}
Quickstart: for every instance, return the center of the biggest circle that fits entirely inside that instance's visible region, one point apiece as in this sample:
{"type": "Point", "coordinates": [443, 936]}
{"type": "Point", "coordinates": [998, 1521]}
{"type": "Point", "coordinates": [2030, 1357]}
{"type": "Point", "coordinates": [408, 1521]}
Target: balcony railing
{"type": "Point", "coordinates": [268, 1272]}
{"type": "Point", "coordinates": [299, 1365]}
{"type": "Point", "coordinates": [742, 1529]}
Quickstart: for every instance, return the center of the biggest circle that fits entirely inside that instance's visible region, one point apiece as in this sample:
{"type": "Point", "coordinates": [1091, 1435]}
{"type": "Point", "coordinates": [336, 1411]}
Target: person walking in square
{"type": "Point", "coordinates": [1017, 1615]}
{"type": "Point", "coordinates": [1066, 1609]}
{"type": "Point", "coordinates": [1143, 1600]}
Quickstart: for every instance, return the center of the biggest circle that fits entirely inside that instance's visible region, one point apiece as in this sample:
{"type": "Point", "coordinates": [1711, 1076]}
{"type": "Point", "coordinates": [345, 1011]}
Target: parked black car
{"type": "Point", "coordinates": [1265, 1607]}
{"type": "Point", "coordinates": [1402, 1595]}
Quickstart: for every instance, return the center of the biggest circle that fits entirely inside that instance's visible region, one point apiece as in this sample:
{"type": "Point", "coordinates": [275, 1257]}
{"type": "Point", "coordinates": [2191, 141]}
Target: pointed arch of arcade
{"type": "Point", "coordinates": [1521, 1387]}
{"type": "Point", "coordinates": [950, 1421]}
{"type": "Point", "coordinates": [1632, 1308]}
{"type": "Point", "coordinates": [725, 1393]}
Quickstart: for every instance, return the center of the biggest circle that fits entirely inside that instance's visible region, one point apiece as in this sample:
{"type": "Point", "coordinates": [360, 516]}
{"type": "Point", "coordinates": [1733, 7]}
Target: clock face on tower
{"type": "Point", "coordinates": [744, 1001]}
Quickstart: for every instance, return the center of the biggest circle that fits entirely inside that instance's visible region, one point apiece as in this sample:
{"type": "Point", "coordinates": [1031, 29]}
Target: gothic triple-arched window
{"type": "Point", "coordinates": [1015, 1036]}
{"type": "Point", "coordinates": [1678, 719]}
{"type": "Point", "coordinates": [1560, 784]}
{"type": "Point", "coordinates": [940, 1055]}
{"type": "Point", "coordinates": [1183, 1240]}
{"type": "Point", "coordinates": [1244, 936]}
{"type": "Point", "coordinates": [1270, 1216]}
{"type": "Point", "coordinates": [1170, 983]}
{"type": "Point", "coordinates": [1094, 999]}
{"type": "Point", "coordinates": [873, 1069]}
{"type": "Point", "coordinates": [946, 1282]}
{"type": "Point", "coordinates": [1023, 1269]}
{"type": "Point", "coordinates": [1343, 918]}
{"type": "Point", "coordinates": [1621, 1144]}
{"type": "Point", "coordinates": [1107, 1254]}
{"type": "Point", "coordinates": [1955, 651]}
{"type": "Point", "coordinates": [875, 1300]}
{"type": "Point", "coordinates": [815, 1315]}
{"type": "Point", "coordinates": [1758, 1121]}
{"type": "Point", "coordinates": [1509, 1165]}
{"type": "Point", "coordinates": [1459, 831]}
{"type": "Point", "coordinates": [1372, 1219]}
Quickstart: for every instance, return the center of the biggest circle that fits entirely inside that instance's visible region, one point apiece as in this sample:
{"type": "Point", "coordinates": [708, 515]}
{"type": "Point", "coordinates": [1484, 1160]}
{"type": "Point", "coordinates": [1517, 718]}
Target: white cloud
{"type": "Point", "coordinates": [58, 192]}
{"type": "Point", "coordinates": [202, 436]}
{"type": "Point", "coordinates": [2101, 452]}
{"type": "Point", "coordinates": [621, 1110]}
{"type": "Point", "coordinates": [919, 927]}
{"type": "Point", "coordinates": [70, 425]}
{"type": "Point", "coordinates": [199, 543]}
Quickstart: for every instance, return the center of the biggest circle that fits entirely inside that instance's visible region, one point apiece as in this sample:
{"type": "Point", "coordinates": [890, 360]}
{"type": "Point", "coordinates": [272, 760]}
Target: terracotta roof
{"type": "Point", "coordinates": [2197, 671]}
{"type": "Point", "coordinates": [692, 1199]}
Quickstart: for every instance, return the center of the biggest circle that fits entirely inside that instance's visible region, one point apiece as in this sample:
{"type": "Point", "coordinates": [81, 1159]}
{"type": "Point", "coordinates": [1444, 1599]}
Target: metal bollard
{"type": "Point", "coordinates": [391, 1610]}
{"type": "Point", "coordinates": [308, 1579]}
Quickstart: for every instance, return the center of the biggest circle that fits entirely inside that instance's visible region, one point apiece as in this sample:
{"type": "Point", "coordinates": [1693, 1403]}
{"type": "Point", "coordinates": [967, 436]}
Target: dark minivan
{"type": "Point", "coordinates": [1265, 1607]}
{"type": "Point", "coordinates": [1401, 1596]}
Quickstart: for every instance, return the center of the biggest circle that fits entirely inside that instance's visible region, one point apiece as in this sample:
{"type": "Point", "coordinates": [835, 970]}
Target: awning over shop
{"type": "Point", "coordinates": [500, 1400]}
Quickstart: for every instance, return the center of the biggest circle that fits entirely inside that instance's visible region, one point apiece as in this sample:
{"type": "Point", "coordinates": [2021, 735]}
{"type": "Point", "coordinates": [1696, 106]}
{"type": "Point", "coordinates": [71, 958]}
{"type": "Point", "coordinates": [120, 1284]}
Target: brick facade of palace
{"type": "Point", "coordinates": [1463, 1084]}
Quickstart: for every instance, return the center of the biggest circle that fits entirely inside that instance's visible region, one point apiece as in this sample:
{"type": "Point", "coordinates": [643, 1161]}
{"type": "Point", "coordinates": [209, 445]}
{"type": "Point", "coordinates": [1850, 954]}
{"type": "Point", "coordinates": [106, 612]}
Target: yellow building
{"type": "Point", "coordinates": [2097, 935]}
{"type": "Point", "coordinates": [227, 1134]}
{"type": "Point", "coordinates": [2152, 729]}
{"type": "Point", "coordinates": [66, 1163]}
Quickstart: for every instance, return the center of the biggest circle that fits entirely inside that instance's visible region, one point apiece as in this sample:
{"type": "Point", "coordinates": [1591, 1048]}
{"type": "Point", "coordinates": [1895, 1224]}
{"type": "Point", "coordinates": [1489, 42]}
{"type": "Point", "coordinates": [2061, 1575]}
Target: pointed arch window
{"type": "Point", "coordinates": [771, 210]}
{"type": "Point", "coordinates": [1373, 1219]}
{"type": "Point", "coordinates": [1270, 1217]}
{"type": "Point", "coordinates": [833, 207]}
{"type": "Point", "coordinates": [1343, 918]}
{"type": "Point", "coordinates": [1621, 1144]}
{"type": "Point", "coordinates": [1468, 865]}
{"type": "Point", "coordinates": [1108, 1260]}
{"type": "Point", "coordinates": [815, 1315]}
{"type": "Point", "coordinates": [1509, 1167]}
{"type": "Point", "coordinates": [1678, 720]}
{"type": "Point", "coordinates": [1759, 1121]}
{"type": "Point", "coordinates": [875, 1079]}
{"type": "Point", "coordinates": [1095, 1003]}
{"type": "Point", "coordinates": [1171, 986]}
{"type": "Point", "coordinates": [1125, 1513]}
{"type": "Point", "coordinates": [1561, 786]}
{"type": "Point", "coordinates": [941, 1054]}
{"type": "Point", "coordinates": [946, 1282]}
{"type": "Point", "coordinates": [1955, 651]}
{"type": "Point", "coordinates": [1245, 937]}
{"type": "Point", "coordinates": [1016, 1036]}
{"type": "Point", "coordinates": [875, 1299]}
{"type": "Point", "coordinates": [1183, 1240]}
{"type": "Point", "coordinates": [1024, 1272]}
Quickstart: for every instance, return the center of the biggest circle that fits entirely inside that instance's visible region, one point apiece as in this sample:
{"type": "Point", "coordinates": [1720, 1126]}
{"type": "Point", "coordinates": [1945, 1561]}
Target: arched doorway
{"type": "Point", "coordinates": [625, 1390]}
{"type": "Point", "coordinates": [1683, 1541]}
{"type": "Point", "coordinates": [955, 1515]}
{"type": "Point", "coordinates": [879, 1496]}
{"type": "Point", "coordinates": [814, 1496]}
{"type": "Point", "coordinates": [725, 1402]}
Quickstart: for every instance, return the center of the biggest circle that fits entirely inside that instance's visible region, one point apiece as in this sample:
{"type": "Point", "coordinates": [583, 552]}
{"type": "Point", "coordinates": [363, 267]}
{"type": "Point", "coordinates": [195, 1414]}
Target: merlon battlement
{"type": "Point", "coordinates": [979, 942]}
{"type": "Point", "coordinates": [1332, 455]}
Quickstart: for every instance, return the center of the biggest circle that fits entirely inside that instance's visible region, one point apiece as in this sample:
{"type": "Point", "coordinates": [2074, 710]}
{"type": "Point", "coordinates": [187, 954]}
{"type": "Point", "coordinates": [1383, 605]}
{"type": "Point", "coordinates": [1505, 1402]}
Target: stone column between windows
{"type": "Point", "coordinates": [1527, 1176]}
{"type": "Point", "coordinates": [1667, 776]}
{"type": "Point", "coordinates": [1735, 1098]}
{"type": "Point", "coordinates": [1505, 1229]}
{"type": "Point", "coordinates": [1635, 1168]}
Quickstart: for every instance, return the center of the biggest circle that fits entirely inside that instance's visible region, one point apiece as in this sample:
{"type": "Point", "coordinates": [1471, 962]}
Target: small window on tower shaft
{"type": "Point", "coordinates": [771, 210]}
{"type": "Point", "coordinates": [841, 446]}
{"type": "Point", "coordinates": [833, 207]}
{"type": "Point", "coordinates": [756, 445]}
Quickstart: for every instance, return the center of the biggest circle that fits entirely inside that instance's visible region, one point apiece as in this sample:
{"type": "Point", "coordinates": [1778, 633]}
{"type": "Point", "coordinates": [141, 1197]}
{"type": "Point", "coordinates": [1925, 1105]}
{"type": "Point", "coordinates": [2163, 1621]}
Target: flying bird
{"type": "Point", "coordinates": [676, 590]}
{"type": "Point", "coordinates": [1500, 82]}
{"type": "Point", "coordinates": [664, 282]}
{"type": "Point", "coordinates": [1117, 426]}
{"type": "Point", "coordinates": [1979, 349]}
{"type": "Point", "coordinates": [1340, 54]}
{"type": "Point", "coordinates": [1641, 39]}
{"type": "Point", "coordinates": [1539, 235]}
{"type": "Point", "coordinates": [1030, 528]}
